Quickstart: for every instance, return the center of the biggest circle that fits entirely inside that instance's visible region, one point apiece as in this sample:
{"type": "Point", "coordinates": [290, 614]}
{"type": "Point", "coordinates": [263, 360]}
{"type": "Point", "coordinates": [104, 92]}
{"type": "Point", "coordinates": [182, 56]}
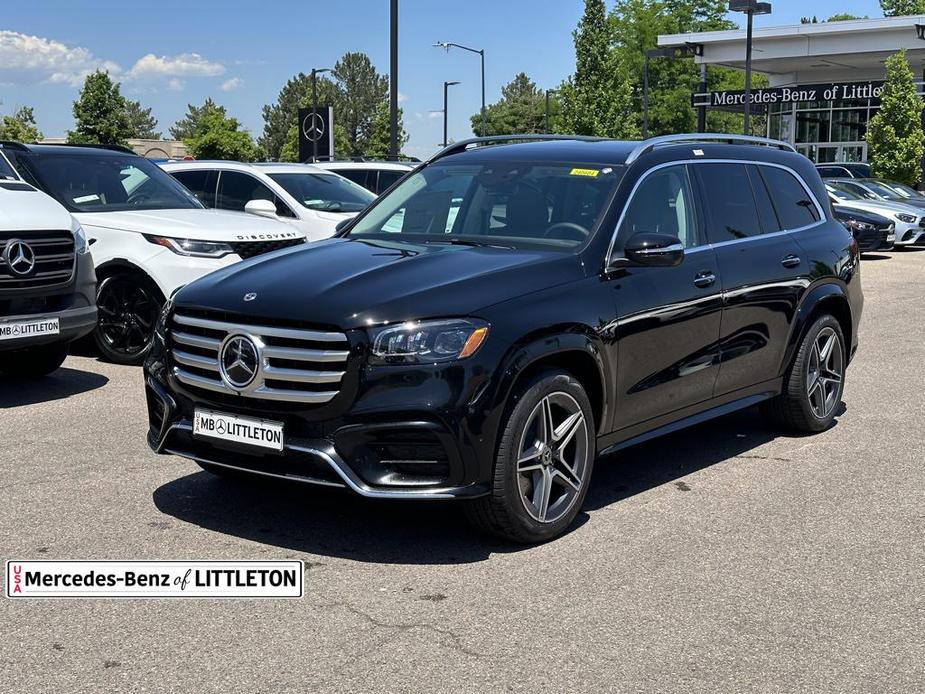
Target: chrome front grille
{"type": "Point", "coordinates": [54, 259]}
{"type": "Point", "coordinates": [293, 364]}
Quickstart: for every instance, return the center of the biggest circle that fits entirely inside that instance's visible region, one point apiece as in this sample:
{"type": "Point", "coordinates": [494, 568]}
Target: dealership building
{"type": "Point", "coordinates": [824, 79]}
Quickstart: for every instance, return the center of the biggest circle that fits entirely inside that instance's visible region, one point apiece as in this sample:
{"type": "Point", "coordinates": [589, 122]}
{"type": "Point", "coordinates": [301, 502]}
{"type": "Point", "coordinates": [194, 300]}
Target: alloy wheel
{"type": "Point", "coordinates": [552, 460]}
{"type": "Point", "coordinates": [127, 313]}
{"type": "Point", "coordinates": [825, 373]}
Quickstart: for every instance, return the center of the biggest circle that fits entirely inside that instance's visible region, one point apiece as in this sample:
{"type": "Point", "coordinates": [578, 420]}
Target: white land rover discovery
{"type": "Point", "coordinates": [47, 284]}
{"type": "Point", "coordinates": [148, 234]}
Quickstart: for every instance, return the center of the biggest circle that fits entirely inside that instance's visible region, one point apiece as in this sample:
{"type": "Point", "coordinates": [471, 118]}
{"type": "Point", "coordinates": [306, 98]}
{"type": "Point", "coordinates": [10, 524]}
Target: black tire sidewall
{"type": "Point", "coordinates": [826, 321]}
{"type": "Point", "coordinates": [539, 387]}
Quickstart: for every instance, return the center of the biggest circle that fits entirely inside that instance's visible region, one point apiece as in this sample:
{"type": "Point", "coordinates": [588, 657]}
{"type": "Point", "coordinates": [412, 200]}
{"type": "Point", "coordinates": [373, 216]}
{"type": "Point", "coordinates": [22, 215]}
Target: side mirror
{"type": "Point", "coordinates": [261, 208]}
{"type": "Point", "coordinates": [341, 225]}
{"type": "Point", "coordinates": [656, 250]}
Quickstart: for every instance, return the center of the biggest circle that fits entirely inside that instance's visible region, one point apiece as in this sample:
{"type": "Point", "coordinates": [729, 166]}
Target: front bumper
{"type": "Point", "coordinates": [73, 324]}
{"type": "Point", "coordinates": [390, 436]}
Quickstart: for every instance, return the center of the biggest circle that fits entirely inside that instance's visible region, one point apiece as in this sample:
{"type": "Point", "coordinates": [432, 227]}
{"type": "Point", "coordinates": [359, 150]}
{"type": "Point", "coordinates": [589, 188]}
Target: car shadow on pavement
{"type": "Point", "coordinates": [63, 383]}
{"type": "Point", "coordinates": [336, 523]}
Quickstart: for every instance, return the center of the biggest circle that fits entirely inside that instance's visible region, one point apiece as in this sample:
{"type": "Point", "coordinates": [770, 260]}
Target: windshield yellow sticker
{"type": "Point", "coordinates": [585, 172]}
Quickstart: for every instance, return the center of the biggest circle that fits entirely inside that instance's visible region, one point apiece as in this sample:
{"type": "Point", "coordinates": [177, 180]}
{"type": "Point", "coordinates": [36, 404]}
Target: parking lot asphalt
{"type": "Point", "coordinates": [725, 558]}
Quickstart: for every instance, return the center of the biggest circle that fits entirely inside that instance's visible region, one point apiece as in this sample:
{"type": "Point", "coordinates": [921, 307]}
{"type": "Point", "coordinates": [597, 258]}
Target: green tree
{"type": "Point", "coordinates": [843, 17]}
{"type": "Point", "coordinates": [894, 135]}
{"type": "Point", "coordinates": [356, 92]}
{"type": "Point", "coordinates": [597, 99]}
{"type": "Point", "coordinates": [361, 90]}
{"type": "Point", "coordinates": [901, 8]}
{"type": "Point", "coordinates": [100, 113]}
{"type": "Point", "coordinates": [20, 126]}
{"type": "Point", "coordinates": [141, 121]}
{"type": "Point", "coordinates": [217, 136]}
{"type": "Point", "coordinates": [187, 126]}
{"type": "Point", "coordinates": [521, 109]}
{"type": "Point", "coordinates": [377, 143]}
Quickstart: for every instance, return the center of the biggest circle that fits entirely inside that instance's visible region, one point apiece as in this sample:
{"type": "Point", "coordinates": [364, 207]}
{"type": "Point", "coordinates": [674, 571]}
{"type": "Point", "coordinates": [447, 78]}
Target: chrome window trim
{"type": "Point", "coordinates": [822, 216]}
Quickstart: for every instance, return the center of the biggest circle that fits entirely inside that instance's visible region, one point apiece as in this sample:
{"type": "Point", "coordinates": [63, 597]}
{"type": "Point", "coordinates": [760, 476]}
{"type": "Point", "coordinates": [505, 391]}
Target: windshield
{"type": "Point", "coordinates": [7, 173]}
{"type": "Point", "coordinates": [884, 191]}
{"type": "Point", "coordinates": [845, 192]}
{"type": "Point", "coordinates": [90, 182]}
{"type": "Point", "coordinates": [327, 192]}
{"type": "Point", "coordinates": [503, 204]}
{"type": "Point", "coordinates": [901, 188]}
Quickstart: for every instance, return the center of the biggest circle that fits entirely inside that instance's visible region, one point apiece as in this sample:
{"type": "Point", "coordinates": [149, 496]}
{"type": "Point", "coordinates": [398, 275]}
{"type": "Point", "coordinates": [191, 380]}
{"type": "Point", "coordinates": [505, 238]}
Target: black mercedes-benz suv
{"type": "Point", "coordinates": [509, 311]}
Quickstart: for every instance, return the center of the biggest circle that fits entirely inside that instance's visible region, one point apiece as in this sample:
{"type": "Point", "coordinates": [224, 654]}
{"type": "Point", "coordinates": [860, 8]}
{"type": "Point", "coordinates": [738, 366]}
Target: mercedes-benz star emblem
{"type": "Point", "coordinates": [19, 256]}
{"type": "Point", "coordinates": [239, 361]}
{"type": "Point", "coordinates": [313, 127]}
{"type": "Point", "coordinates": [250, 296]}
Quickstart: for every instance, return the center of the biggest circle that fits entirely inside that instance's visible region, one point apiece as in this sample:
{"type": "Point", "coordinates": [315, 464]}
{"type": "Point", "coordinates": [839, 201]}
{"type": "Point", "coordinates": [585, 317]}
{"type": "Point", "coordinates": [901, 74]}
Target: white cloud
{"type": "Point", "coordinates": [230, 85]}
{"type": "Point", "coordinates": [435, 114]}
{"type": "Point", "coordinates": [402, 97]}
{"type": "Point", "coordinates": [175, 84]}
{"type": "Point", "coordinates": [183, 65]}
{"type": "Point", "coordinates": [28, 59]}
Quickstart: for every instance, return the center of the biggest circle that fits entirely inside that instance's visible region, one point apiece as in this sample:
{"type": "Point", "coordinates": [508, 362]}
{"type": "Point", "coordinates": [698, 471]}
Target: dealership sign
{"type": "Point", "coordinates": [832, 91]}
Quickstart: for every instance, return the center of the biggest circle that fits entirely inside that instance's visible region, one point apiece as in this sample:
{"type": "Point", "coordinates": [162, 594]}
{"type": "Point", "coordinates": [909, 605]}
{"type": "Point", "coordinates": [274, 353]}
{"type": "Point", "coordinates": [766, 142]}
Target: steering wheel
{"type": "Point", "coordinates": [138, 198]}
{"type": "Point", "coordinates": [572, 232]}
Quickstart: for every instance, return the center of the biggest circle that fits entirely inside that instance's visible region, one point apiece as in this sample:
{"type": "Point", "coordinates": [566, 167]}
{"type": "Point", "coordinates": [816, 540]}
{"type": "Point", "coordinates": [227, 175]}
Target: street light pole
{"type": "Point", "coordinates": [546, 117]}
{"type": "Point", "coordinates": [393, 85]}
{"type": "Point", "coordinates": [750, 8]}
{"type": "Point", "coordinates": [446, 86]}
{"type": "Point", "coordinates": [315, 72]}
{"type": "Point", "coordinates": [481, 53]}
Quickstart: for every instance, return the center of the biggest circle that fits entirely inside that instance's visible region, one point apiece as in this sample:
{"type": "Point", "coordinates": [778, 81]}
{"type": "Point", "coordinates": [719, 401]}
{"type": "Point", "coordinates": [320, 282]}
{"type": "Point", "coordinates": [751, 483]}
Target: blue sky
{"type": "Point", "coordinates": [172, 53]}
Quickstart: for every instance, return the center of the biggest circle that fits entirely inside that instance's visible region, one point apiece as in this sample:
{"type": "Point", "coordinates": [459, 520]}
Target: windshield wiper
{"type": "Point", "coordinates": [470, 242]}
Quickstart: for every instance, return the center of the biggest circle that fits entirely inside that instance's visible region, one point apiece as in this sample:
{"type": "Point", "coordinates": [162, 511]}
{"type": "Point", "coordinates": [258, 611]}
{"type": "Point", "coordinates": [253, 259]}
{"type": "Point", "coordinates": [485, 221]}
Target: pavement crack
{"type": "Point", "coordinates": [765, 457]}
{"type": "Point", "coordinates": [454, 640]}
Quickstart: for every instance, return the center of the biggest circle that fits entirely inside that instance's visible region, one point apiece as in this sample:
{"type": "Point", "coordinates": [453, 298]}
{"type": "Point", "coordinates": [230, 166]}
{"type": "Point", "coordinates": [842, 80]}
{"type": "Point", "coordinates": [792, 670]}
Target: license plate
{"type": "Point", "coordinates": [15, 330]}
{"type": "Point", "coordinates": [261, 433]}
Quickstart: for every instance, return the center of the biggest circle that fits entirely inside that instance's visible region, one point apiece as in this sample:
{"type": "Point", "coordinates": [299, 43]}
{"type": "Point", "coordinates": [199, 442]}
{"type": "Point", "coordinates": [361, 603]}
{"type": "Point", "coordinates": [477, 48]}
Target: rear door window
{"type": "Point", "coordinates": [200, 182]}
{"type": "Point", "coordinates": [795, 206]}
{"type": "Point", "coordinates": [731, 210]}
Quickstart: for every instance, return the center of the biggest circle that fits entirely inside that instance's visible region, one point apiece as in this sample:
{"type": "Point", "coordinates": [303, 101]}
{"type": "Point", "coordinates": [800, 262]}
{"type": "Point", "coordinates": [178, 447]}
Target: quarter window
{"type": "Point", "coordinates": [795, 206]}
{"type": "Point", "coordinates": [662, 204]}
{"type": "Point", "coordinates": [730, 202]}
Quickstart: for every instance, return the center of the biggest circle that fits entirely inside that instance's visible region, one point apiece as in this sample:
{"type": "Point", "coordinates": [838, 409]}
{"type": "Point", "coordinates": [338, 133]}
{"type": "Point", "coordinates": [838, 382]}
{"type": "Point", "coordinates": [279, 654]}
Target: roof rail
{"type": "Point", "coordinates": [113, 148]}
{"type": "Point", "coordinates": [653, 142]}
{"type": "Point", "coordinates": [11, 144]}
{"type": "Point", "coordinates": [463, 145]}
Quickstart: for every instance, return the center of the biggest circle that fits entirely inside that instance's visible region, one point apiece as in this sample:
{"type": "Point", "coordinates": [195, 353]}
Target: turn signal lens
{"type": "Point", "coordinates": [474, 342]}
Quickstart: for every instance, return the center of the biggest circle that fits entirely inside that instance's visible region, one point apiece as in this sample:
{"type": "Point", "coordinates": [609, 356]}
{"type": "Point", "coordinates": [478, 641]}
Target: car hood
{"type": "Point", "coordinates": [23, 209]}
{"type": "Point", "coordinates": [881, 207]}
{"type": "Point", "coordinates": [349, 283]}
{"type": "Point", "coordinates": [204, 225]}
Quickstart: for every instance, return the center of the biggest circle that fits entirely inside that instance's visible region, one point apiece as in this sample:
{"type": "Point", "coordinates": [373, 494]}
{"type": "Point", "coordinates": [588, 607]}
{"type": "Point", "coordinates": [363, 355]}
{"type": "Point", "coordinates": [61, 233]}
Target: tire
{"type": "Point", "coordinates": [129, 304]}
{"type": "Point", "coordinates": [811, 395]}
{"type": "Point", "coordinates": [558, 470]}
{"type": "Point", "coordinates": [33, 362]}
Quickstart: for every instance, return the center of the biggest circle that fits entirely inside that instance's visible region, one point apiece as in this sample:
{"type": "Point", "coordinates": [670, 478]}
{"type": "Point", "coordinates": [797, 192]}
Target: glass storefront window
{"type": "Point", "coordinates": [849, 125]}
{"type": "Point", "coordinates": [813, 126]}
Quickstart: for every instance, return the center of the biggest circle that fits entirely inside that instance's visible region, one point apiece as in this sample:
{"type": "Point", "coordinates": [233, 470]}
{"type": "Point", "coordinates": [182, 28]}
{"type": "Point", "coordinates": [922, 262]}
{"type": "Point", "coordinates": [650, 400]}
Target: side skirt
{"type": "Point", "coordinates": [732, 402]}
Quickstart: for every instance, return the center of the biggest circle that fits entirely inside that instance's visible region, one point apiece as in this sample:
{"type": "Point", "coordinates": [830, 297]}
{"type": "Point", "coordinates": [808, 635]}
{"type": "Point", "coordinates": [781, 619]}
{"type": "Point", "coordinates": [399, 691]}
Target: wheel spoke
{"type": "Point", "coordinates": [530, 459]}
{"type": "Point", "coordinates": [818, 398]}
{"type": "Point", "coordinates": [567, 475]}
{"type": "Point", "coordinates": [825, 353]}
{"type": "Point", "coordinates": [566, 431]}
{"type": "Point", "coordinates": [548, 430]}
{"type": "Point", "coordinates": [541, 491]}
{"type": "Point", "coordinates": [813, 385]}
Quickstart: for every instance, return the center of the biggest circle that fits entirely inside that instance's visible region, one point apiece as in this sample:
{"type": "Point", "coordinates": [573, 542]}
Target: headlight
{"type": "Point", "coordinates": [192, 247]}
{"type": "Point", "coordinates": [907, 218]}
{"type": "Point", "coordinates": [80, 239]}
{"type": "Point", "coordinates": [428, 341]}
{"type": "Point", "coordinates": [857, 225]}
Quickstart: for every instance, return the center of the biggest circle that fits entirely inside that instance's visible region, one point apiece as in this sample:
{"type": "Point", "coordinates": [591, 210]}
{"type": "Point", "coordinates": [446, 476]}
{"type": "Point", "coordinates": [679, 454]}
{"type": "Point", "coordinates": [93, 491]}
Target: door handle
{"type": "Point", "coordinates": [704, 279]}
{"type": "Point", "coordinates": [790, 260]}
